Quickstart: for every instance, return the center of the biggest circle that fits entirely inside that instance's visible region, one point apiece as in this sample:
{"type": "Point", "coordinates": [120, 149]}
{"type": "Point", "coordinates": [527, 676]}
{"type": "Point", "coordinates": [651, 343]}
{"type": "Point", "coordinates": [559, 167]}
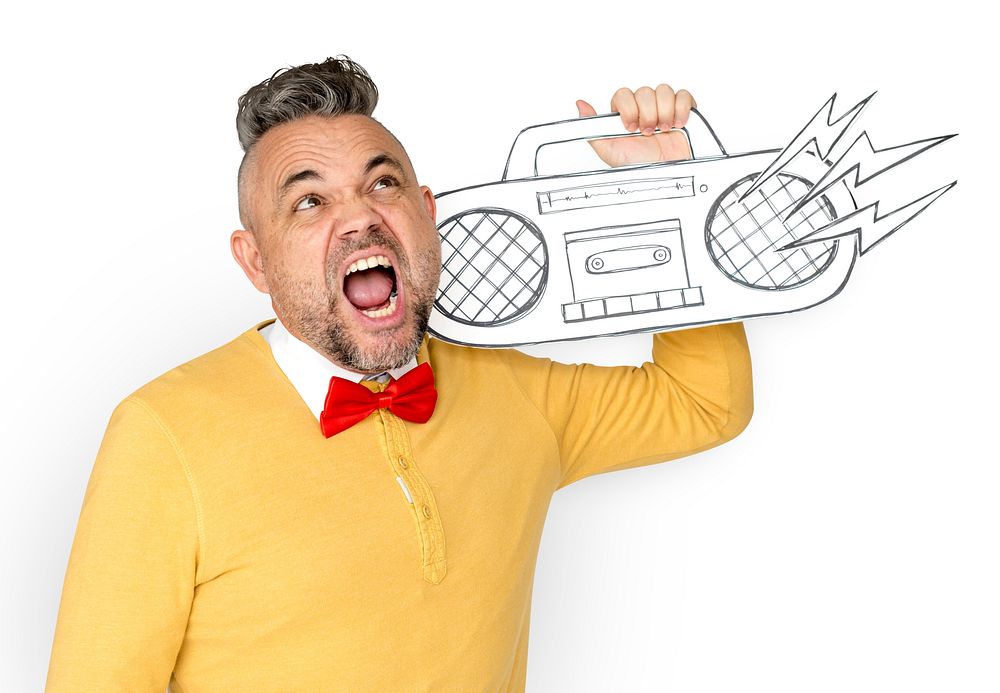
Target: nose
{"type": "Point", "coordinates": [356, 218]}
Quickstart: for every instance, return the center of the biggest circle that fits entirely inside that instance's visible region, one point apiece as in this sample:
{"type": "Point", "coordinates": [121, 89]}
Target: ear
{"type": "Point", "coordinates": [430, 204]}
{"type": "Point", "coordinates": [248, 256]}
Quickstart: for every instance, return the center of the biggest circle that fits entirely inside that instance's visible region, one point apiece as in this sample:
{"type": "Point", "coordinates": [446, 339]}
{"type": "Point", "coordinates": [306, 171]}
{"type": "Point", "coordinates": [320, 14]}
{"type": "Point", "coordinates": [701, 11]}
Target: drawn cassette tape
{"type": "Point", "coordinates": [538, 258]}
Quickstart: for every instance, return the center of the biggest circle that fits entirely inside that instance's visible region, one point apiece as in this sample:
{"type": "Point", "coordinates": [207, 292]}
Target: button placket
{"type": "Point", "coordinates": [430, 531]}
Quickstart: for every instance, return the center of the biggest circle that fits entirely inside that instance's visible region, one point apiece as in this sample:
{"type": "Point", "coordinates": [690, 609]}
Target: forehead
{"type": "Point", "coordinates": [342, 144]}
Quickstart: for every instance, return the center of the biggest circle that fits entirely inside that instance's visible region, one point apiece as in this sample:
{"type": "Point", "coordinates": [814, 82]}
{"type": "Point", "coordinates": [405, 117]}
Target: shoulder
{"type": "Point", "coordinates": [237, 371]}
{"type": "Point", "coordinates": [474, 365]}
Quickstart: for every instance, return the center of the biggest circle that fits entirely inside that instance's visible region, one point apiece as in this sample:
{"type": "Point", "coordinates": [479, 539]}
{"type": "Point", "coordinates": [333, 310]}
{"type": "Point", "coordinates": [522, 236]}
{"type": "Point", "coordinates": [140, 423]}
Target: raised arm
{"type": "Point", "coordinates": [695, 394]}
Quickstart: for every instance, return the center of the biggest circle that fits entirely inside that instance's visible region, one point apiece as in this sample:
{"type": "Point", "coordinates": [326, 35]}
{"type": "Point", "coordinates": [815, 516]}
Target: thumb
{"type": "Point", "coordinates": [584, 108]}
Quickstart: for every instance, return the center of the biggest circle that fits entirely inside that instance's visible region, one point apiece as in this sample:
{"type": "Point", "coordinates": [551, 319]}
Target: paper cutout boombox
{"type": "Point", "coordinates": [539, 258]}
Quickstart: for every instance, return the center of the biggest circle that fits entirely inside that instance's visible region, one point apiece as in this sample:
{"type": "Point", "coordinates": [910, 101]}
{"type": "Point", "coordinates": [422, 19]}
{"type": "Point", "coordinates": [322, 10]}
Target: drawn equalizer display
{"type": "Point", "coordinates": [719, 237]}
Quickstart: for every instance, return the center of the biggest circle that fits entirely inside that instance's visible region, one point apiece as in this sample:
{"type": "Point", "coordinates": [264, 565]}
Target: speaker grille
{"type": "Point", "coordinates": [494, 266]}
{"type": "Point", "coordinates": [742, 236]}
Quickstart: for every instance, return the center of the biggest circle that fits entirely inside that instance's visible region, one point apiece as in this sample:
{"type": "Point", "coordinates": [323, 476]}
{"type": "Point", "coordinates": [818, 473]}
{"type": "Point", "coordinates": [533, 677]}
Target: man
{"type": "Point", "coordinates": [258, 520]}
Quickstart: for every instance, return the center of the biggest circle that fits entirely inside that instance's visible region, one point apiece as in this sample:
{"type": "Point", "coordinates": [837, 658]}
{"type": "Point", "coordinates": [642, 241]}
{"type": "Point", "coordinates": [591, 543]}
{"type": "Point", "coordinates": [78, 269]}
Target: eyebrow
{"type": "Point", "coordinates": [380, 159]}
{"type": "Point", "coordinates": [307, 174]}
{"type": "Point", "coordinates": [310, 174]}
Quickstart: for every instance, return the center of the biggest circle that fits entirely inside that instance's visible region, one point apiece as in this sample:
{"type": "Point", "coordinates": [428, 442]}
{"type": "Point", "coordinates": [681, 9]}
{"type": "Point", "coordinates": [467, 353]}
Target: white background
{"type": "Point", "coordinates": [846, 541]}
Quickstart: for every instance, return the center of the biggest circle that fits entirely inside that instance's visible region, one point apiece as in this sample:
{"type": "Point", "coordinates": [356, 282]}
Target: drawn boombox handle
{"type": "Point", "coordinates": [522, 162]}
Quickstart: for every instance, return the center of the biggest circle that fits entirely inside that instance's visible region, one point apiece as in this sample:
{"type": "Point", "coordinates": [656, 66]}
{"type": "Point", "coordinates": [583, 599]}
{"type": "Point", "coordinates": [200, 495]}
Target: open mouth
{"type": "Point", "coordinates": [370, 286]}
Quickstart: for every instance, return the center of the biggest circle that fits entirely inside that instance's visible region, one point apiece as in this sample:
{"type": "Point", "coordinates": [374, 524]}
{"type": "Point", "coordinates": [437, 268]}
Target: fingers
{"type": "Point", "coordinates": [665, 107]}
{"type": "Point", "coordinates": [683, 104]}
{"type": "Point", "coordinates": [584, 108]}
{"type": "Point", "coordinates": [624, 103]}
{"type": "Point", "coordinates": [646, 109]}
{"type": "Point", "coordinates": [645, 98]}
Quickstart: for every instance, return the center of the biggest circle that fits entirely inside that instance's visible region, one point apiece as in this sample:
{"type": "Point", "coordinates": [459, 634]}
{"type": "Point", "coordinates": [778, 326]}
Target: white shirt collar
{"type": "Point", "coordinates": [307, 369]}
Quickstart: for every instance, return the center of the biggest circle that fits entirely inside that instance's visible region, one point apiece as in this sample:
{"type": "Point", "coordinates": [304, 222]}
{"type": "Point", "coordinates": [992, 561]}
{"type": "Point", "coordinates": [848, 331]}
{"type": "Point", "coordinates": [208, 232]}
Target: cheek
{"type": "Point", "coordinates": [299, 279]}
{"type": "Point", "coordinates": [427, 256]}
{"type": "Point", "coordinates": [434, 250]}
{"type": "Point", "coordinates": [304, 258]}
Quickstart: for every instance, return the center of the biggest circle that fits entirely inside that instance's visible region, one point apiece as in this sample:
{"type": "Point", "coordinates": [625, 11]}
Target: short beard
{"type": "Point", "coordinates": [338, 346]}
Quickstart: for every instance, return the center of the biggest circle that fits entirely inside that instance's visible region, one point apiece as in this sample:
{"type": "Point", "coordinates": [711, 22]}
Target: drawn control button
{"type": "Point", "coordinates": [624, 259]}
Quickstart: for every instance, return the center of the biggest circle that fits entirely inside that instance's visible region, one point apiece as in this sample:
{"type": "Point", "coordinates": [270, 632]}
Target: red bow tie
{"type": "Point", "coordinates": [412, 397]}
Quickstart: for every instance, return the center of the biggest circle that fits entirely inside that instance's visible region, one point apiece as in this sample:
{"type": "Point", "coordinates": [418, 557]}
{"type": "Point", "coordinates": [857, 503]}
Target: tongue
{"type": "Point", "coordinates": [368, 288]}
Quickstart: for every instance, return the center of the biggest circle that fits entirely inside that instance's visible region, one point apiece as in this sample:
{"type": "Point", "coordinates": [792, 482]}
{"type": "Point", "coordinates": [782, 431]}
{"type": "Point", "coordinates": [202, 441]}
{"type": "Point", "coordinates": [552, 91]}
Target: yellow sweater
{"type": "Point", "coordinates": [225, 545]}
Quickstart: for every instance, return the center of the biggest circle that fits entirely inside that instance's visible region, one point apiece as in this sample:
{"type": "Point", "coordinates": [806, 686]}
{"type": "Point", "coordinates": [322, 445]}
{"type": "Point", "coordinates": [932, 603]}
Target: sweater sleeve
{"type": "Point", "coordinates": [131, 574]}
{"type": "Point", "coordinates": [695, 394]}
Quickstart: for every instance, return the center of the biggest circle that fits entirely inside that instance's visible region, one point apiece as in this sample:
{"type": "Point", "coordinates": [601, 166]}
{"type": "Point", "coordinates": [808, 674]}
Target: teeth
{"type": "Point", "coordinates": [368, 263]}
{"type": "Point", "coordinates": [384, 312]}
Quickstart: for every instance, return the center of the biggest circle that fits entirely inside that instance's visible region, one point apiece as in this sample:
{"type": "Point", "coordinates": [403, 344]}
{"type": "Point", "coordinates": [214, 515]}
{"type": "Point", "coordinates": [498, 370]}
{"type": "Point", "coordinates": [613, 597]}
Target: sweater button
{"type": "Point", "coordinates": [402, 462]}
{"type": "Point", "coordinates": [427, 511]}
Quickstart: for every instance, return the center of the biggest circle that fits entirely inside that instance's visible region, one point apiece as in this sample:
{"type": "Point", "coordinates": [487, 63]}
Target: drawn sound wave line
{"type": "Point", "coordinates": [621, 191]}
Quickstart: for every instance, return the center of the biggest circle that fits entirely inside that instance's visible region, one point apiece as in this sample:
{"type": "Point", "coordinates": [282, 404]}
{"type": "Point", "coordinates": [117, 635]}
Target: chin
{"type": "Point", "coordinates": [374, 352]}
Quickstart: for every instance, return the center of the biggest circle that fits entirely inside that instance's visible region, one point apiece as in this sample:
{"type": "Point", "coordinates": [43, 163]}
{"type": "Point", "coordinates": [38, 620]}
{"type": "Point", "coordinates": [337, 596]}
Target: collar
{"type": "Point", "coordinates": [307, 369]}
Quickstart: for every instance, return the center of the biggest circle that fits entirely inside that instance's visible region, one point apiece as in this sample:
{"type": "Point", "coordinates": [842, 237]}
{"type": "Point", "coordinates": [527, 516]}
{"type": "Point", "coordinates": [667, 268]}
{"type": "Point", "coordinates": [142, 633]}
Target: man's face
{"type": "Point", "coordinates": [347, 240]}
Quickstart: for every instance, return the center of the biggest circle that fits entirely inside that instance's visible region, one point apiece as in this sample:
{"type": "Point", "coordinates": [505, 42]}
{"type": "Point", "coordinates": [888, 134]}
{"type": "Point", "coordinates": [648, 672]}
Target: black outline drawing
{"type": "Point", "coordinates": [774, 270]}
{"type": "Point", "coordinates": [655, 283]}
{"type": "Point", "coordinates": [623, 193]}
{"type": "Point", "coordinates": [800, 226]}
{"type": "Point", "coordinates": [482, 255]}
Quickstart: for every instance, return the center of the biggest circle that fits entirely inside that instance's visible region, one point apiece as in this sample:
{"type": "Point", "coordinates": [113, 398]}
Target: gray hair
{"type": "Point", "coordinates": [333, 87]}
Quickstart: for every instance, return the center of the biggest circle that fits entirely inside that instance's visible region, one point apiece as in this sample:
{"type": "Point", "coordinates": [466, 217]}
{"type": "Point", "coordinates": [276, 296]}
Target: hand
{"type": "Point", "coordinates": [643, 110]}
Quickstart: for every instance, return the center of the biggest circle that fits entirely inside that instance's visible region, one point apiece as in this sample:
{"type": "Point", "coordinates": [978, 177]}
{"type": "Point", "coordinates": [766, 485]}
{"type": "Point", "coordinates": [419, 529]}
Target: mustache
{"type": "Point", "coordinates": [374, 238]}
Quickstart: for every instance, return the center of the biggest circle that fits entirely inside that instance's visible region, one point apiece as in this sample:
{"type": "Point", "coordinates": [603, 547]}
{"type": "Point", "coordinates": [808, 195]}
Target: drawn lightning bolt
{"type": "Point", "coordinates": [822, 132]}
{"type": "Point", "coordinates": [866, 222]}
{"type": "Point", "coordinates": [860, 154]}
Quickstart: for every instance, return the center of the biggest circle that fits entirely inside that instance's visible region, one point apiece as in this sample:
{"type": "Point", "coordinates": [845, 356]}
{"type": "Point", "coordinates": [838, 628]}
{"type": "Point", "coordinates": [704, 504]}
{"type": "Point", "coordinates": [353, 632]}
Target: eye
{"type": "Point", "coordinates": [308, 202]}
{"type": "Point", "coordinates": [385, 182]}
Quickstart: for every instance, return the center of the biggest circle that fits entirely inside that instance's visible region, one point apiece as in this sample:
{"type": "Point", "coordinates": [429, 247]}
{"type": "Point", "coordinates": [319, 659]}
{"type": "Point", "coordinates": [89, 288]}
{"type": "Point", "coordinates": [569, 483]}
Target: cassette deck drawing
{"type": "Point", "coordinates": [651, 254]}
{"type": "Point", "coordinates": [666, 245]}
